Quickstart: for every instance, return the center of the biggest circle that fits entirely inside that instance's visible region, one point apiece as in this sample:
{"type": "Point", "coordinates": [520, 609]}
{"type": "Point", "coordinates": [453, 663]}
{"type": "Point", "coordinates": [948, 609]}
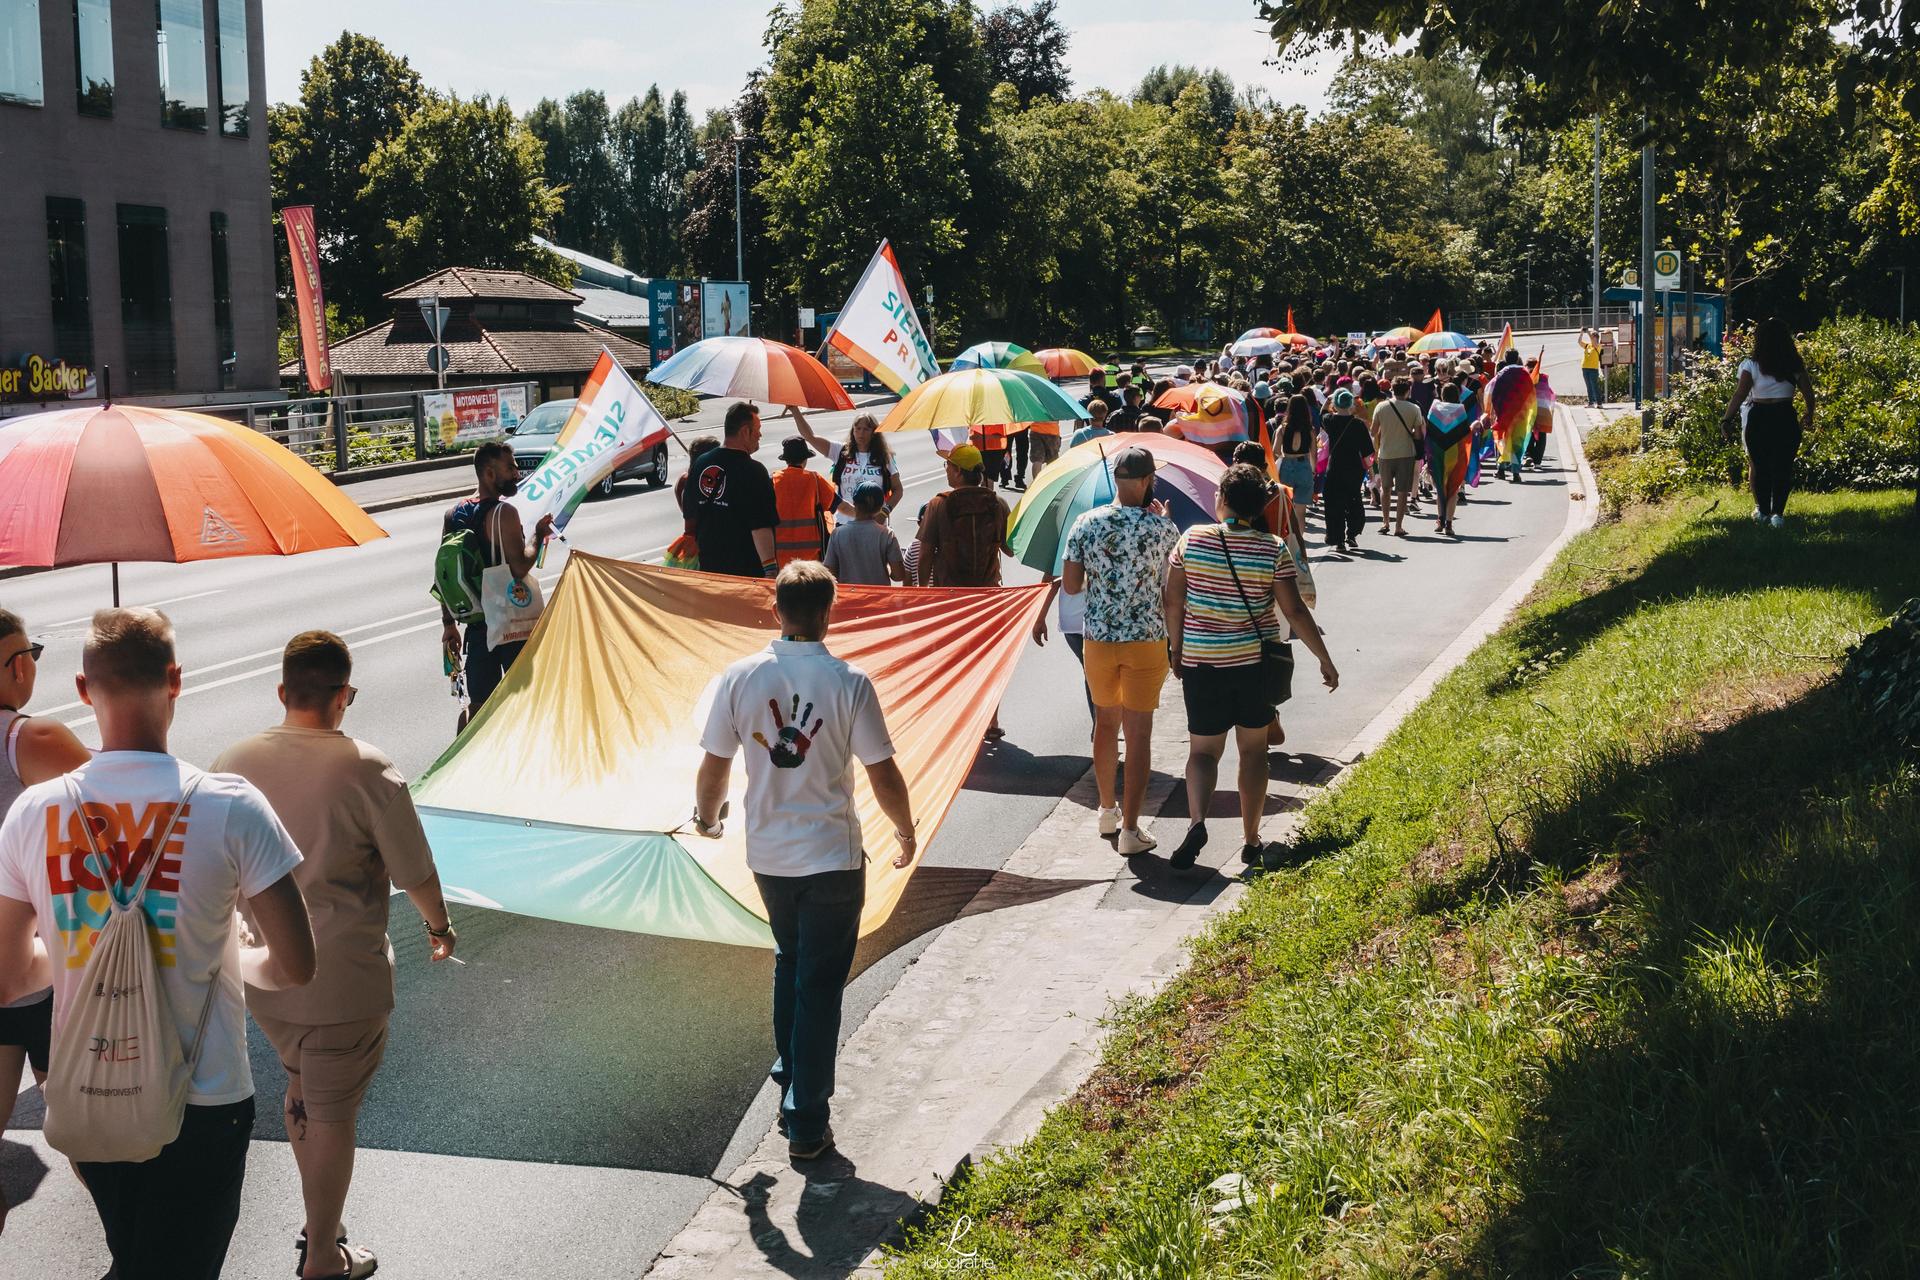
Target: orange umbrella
{"type": "Point", "coordinates": [1066, 362]}
{"type": "Point", "coordinates": [123, 482]}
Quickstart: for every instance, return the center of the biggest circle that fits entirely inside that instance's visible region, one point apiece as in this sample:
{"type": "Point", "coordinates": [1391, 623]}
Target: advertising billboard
{"type": "Point", "coordinates": [661, 301]}
{"type": "Point", "coordinates": [688, 319]}
{"type": "Point", "coordinates": [724, 309]}
{"type": "Point", "coordinates": [460, 417]}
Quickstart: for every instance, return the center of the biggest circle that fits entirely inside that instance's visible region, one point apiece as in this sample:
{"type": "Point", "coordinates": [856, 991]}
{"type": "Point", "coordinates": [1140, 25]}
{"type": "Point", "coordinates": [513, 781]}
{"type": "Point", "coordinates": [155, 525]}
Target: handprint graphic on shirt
{"type": "Point", "coordinates": [790, 742]}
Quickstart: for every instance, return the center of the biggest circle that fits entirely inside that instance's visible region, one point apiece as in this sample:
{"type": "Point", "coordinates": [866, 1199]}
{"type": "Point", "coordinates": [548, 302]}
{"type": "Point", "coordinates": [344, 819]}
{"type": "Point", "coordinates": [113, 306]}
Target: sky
{"type": "Point", "coordinates": [526, 50]}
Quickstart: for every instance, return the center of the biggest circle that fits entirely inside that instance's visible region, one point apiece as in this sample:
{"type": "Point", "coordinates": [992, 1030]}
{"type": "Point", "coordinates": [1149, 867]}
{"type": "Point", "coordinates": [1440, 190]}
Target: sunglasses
{"type": "Point", "coordinates": [352, 692]}
{"type": "Point", "coordinates": [31, 651]}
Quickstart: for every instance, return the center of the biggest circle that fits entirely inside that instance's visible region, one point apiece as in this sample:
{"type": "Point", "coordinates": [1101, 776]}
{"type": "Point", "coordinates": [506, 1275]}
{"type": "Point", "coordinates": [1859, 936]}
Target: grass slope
{"type": "Point", "coordinates": [1603, 965]}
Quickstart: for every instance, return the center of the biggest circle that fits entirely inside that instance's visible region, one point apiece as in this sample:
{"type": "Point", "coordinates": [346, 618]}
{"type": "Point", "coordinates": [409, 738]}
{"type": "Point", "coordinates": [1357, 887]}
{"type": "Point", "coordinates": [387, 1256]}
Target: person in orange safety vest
{"type": "Point", "coordinates": [803, 501]}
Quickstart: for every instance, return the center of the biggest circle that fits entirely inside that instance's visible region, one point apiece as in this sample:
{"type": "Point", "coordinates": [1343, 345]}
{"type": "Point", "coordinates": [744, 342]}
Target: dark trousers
{"type": "Point", "coordinates": [1018, 446]}
{"type": "Point", "coordinates": [1077, 642]}
{"type": "Point", "coordinates": [1773, 438]}
{"type": "Point", "coordinates": [816, 925]}
{"type": "Point", "coordinates": [996, 464]}
{"type": "Point", "coordinates": [486, 667]}
{"type": "Point", "coordinates": [172, 1217]}
{"type": "Point", "coordinates": [1346, 507]}
{"type": "Point", "coordinates": [1537, 447]}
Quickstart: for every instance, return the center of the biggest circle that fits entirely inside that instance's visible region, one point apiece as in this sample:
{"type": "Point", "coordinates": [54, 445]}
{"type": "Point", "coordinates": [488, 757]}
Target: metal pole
{"type": "Point", "coordinates": [1686, 343]}
{"type": "Point", "coordinates": [1643, 344]}
{"type": "Point", "coordinates": [1903, 294]}
{"type": "Point", "coordinates": [1529, 282]}
{"type": "Point", "coordinates": [1596, 223]}
{"type": "Point", "coordinates": [739, 242]}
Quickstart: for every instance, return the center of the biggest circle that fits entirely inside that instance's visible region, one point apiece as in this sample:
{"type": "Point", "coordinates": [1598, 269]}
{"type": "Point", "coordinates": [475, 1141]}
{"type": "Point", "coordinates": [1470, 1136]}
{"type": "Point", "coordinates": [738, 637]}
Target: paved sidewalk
{"type": "Point", "coordinates": [1000, 1017]}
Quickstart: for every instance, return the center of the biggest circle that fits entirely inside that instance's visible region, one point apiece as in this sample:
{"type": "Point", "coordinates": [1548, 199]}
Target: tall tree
{"type": "Point", "coordinates": [580, 166]}
{"type": "Point", "coordinates": [640, 161]}
{"type": "Point", "coordinates": [683, 153]}
{"type": "Point", "coordinates": [707, 235]}
{"type": "Point", "coordinates": [355, 95]}
{"type": "Point", "coordinates": [1027, 48]}
{"type": "Point", "coordinates": [462, 184]}
{"type": "Point", "coordinates": [1164, 84]}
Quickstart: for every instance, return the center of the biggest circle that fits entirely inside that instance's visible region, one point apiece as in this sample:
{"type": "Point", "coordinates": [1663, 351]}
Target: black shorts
{"type": "Point", "coordinates": [1223, 698]}
{"type": "Point", "coordinates": [30, 1027]}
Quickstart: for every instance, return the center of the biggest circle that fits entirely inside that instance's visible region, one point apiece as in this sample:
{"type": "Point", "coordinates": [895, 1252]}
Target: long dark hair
{"type": "Point", "coordinates": [876, 449]}
{"type": "Point", "coordinates": [1775, 352]}
{"type": "Point", "coordinates": [1297, 436]}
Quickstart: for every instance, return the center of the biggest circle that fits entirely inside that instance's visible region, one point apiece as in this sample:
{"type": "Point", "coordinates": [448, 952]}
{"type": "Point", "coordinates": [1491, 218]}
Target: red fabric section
{"type": "Point", "coordinates": [111, 507]}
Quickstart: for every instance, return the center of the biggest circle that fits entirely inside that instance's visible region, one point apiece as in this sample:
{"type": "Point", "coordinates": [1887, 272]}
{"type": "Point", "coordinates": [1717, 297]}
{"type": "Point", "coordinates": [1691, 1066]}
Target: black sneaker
{"type": "Point", "coordinates": [1183, 858]}
{"type": "Point", "coordinates": [1251, 854]}
{"type": "Point", "coordinates": [811, 1150]}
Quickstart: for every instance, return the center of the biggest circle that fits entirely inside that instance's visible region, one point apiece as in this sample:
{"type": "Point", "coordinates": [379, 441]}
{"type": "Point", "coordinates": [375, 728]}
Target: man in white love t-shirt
{"type": "Point", "coordinates": [172, 1216]}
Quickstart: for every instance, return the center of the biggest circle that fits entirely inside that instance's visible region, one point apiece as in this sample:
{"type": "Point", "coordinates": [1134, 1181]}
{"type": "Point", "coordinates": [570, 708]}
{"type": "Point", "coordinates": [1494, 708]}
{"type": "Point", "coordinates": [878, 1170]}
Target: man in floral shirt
{"type": "Point", "coordinates": [1117, 555]}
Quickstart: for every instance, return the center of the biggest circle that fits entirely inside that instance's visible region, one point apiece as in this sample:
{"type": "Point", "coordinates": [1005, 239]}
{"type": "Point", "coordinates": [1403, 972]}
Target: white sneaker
{"type": "Point", "coordinates": [1133, 840]}
{"type": "Point", "coordinates": [1110, 821]}
{"type": "Point", "coordinates": [1757, 517]}
{"type": "Point", "coordinates": [1778, 522]}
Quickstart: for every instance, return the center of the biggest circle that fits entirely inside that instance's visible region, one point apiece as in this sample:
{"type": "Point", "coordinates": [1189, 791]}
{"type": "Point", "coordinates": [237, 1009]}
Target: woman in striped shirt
{"type": "Point", "coordinates": [1222, 587]}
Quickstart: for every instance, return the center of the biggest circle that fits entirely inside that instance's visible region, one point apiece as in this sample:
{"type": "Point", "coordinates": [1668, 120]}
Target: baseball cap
{"type": "Point", "coordinates": [967, 458]}
{"type": "Point", "coordinates": [1261, 390]}
{"type": "Point", "coordinates": [795, 449]}
{"type": "Point", "coordinates": [1343, 399]}
{"type": "Point", "coordinates": [1132, 463]}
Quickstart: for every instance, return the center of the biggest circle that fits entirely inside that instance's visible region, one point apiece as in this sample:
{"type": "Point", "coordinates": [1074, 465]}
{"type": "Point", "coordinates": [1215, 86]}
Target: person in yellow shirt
{"type": "Point", "coordinates": [1590, 366]}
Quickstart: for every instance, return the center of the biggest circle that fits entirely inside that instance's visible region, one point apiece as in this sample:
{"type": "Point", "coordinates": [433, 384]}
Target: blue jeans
{"type": "Point", "coordinates": [816, 925]}
{"type": "Point", "coordinates": [1297, 475]}
{"type": "Point", "coordinates": [1595, 395]}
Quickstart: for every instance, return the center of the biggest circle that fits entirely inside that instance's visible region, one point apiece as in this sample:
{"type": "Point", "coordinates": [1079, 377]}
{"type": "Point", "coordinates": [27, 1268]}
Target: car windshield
{"type": "Point", "coordinates": [545, 420]}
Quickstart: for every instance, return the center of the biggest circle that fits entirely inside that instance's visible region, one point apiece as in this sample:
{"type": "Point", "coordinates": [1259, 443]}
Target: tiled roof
{"type": "Point", "coordinates": [477, 282]}
{"type": "Point", "coordinates": [380, 353]}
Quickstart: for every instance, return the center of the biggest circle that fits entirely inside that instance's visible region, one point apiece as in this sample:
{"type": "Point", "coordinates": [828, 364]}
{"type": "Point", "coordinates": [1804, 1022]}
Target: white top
{"type": "Point", "coordinates": [1073, 613]}
{"type": "Point", "coordinates": [227, 846]}
{"type": "Point", "coordinates": [1765, 386]}
{"type": "Point", "coordinates": [861, 470]}
{"type": "Point", "coordinates": [804, 717]}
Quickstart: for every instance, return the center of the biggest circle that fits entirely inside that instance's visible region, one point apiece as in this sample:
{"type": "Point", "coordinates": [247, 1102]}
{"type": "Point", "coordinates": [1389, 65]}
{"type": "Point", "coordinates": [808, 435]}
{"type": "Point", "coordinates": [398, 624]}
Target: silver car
{"type": "Point", "coordinates": [533, 439]}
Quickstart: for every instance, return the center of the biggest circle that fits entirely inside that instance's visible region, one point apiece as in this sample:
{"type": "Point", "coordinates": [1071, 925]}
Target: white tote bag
{"type": "Point", "coordinates": [512, 605]}
{"type": "Point", "coordinates": [117, 1080]}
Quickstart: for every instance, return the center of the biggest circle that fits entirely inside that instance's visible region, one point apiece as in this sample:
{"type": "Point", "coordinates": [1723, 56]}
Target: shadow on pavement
{"type": "Point", "coordinates": [841, 1219]}
{"type": "Point", "coordinates": [937, 896]}
{"type": "Point", "coordinates": [1008, 769]}
{"type": "Point", "coordinates": [21, 1172]}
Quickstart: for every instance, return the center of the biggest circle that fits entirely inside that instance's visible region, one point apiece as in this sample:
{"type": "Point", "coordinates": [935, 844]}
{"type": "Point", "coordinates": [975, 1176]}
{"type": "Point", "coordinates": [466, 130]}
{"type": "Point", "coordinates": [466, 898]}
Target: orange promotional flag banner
{"type": "Point", "coordinates": [1435, 325]}
{"type": "Point", "coordinates": [1290, 325]}
{"type": "Point", "coordinates": [879, 329]}
{"type": "Point", "coordinates": [569, 797]}
{"type": "Point", "coordinates": [1506, 341]}
{"type": "Point", "coordinates": [309, 301]}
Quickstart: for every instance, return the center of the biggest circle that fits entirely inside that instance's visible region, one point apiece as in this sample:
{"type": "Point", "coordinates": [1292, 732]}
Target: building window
{"type": "Point", "coordinates": [234, 81]}
{"type": "Point", "coordinates": [67, 280]}
{"type": "Point", "coordinates": [20, 79]}
{"type": "Point", "coordinates": [146, 298]}
{"type": "Point", "coordinates": [223, 305]}
{"type": "Point", "coordinates": [182, 26]}
{"type": "Point", "coordinates": [93, 55]}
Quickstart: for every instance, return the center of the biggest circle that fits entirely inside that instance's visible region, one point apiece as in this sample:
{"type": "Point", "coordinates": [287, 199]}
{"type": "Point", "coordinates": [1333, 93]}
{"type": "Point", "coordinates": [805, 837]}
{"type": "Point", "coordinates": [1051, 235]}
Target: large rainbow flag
{"type": "Point", "coordinates": [569, 797]}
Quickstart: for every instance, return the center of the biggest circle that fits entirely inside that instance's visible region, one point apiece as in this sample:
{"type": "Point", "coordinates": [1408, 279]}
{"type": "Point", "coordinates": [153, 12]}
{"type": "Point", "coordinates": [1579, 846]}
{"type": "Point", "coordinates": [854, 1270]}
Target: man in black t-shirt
{"type": "Point", "coordinates": [730, 503]}
{"type": "Point", "coordinates": [1127, 416]}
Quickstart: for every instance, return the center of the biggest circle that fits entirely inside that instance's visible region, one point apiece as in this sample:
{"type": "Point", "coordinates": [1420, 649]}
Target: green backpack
{"type": "Point", "coordinates": [457, 567]}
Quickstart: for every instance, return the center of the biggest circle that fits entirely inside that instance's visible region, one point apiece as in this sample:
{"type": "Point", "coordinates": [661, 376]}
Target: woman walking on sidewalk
{"type": "Point", "coordinates": [1769, 379]}
{"type": "Point", "coordinates": [1224, 641]}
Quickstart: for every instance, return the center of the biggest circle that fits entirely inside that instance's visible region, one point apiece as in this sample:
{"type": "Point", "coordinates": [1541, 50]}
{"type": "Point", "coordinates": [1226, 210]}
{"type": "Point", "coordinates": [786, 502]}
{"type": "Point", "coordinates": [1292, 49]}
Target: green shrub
{"type": "Point", "coordinates": [1614, 440]}
{"type": "Point", "coordinates": [672, 402]}
{"type": "Point", "coordinates": [1884, 669]}
{"type": "Point", "coordinates": [1867, 377]}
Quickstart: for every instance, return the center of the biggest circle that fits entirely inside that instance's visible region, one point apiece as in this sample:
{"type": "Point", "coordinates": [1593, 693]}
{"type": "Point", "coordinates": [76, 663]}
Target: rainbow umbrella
{"type": "Point", "coordinates": [1187, 479]}
{"type": "Point", "coordinates": [120, 482]}
{"type": "Point", "coordinates": [753, 369]}
{"type": "Point", "coordinates": [1186, 399]}
{"type": "Point", "coordinates": [981, 398]}
{"type": "Point", "coordinates": [1293, 339]}
{"type": "Point", "coordinates": [1000, 355]}
{"type": "Point", "coordinates": [1220, 416]}
{"type": "Point", "coordinates": [1065, 362]}
{"type": "Point", "coordinates": [1445, 340]}
{"type": "Point", "coordinates": [1399, 337]}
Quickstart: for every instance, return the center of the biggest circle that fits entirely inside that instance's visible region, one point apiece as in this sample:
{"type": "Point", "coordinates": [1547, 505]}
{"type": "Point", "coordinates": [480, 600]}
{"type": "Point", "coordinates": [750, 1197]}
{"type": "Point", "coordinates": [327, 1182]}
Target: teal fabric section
{"type": "Point", "coordinates": [637, 881]}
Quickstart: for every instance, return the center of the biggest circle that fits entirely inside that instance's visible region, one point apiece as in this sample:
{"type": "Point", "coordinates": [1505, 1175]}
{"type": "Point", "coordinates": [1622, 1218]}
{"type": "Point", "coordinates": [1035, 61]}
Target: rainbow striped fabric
{"type": "Point", "coordinates": [1216, 631]}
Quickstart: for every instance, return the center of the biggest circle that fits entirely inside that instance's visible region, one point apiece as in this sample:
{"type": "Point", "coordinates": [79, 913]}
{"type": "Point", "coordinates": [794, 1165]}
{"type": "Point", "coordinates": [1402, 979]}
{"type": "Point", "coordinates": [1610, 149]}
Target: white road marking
{"type": "Point", "coordinates": [151, 604]}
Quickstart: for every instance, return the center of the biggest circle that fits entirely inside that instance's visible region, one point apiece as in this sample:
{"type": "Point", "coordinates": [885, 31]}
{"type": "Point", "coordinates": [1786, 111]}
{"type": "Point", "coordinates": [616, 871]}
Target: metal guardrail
{"type": "Point", "coordinates": [339, 433]}
{"type": "Point", "coordinates": [1536, 319]}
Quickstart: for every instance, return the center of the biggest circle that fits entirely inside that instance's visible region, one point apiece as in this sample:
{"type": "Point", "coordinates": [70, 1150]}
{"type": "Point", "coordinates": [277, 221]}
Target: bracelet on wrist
{"type": "Point", "coordinates": [439, 933]}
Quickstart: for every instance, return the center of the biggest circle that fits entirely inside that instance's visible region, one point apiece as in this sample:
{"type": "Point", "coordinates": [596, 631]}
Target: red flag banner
{"type": "Point", "coordinates": [312, 304]}
{"type": "Point", "coordinates": [1435, 325]}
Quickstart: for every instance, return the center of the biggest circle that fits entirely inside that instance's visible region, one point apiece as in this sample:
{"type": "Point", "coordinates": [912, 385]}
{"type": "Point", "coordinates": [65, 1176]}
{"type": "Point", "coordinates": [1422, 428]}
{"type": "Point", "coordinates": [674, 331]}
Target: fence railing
{"type": "Point", "coordinates": [339, 433]}
{"type": "Point", "coordinates": [1535, 319]}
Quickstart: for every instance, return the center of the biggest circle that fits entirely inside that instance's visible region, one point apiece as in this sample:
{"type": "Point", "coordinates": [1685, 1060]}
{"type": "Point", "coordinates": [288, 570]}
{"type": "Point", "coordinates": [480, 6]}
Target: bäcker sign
{"type": "Point", "coordinates": [35, 378]}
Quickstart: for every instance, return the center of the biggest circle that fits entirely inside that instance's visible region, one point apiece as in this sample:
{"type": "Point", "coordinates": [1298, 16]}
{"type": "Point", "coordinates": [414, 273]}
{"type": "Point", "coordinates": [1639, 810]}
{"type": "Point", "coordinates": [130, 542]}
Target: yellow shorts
{"type": "Point", "coordinates": [1126, 674]}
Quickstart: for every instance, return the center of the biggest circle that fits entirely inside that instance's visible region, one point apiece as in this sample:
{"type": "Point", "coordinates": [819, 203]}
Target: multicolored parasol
{"type": "Point", "coordinates": [753, 369]}
{"type": "Point", "coordinates": [1187, 480]}
{"type": "Point", "coordinates": [1399, 337]}
{"type": "Point", "coordinates": [999, 355]}
{"type": "Point", "coordinates": [1065, 362]}
{"type": "Point", "coordinates": [1445, 340]}
{"type": "Point", "coordinates": [982, 397]}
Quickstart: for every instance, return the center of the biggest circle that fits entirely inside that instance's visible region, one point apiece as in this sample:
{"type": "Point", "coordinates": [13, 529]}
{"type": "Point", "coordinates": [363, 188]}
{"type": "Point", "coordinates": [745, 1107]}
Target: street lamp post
{"type": "Point", "coordinates": [1529, 284]}
{"type": "Point", "coordinates": [739, 250]}
{"type": "Point", "coordinates": [1903, 293]}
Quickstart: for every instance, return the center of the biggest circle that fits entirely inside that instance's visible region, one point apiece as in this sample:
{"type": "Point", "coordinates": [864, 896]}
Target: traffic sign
{"type": "Point", "coordinates": [435, 315]}
{"type": "Point", "coordinates": [438, 358]}
{"type": "Point", "coordinates": [1666, 269]}
{"type": "Point", "coordinates": [806, 317]}
{"type": "Point", "coordinates": [1630, 278]}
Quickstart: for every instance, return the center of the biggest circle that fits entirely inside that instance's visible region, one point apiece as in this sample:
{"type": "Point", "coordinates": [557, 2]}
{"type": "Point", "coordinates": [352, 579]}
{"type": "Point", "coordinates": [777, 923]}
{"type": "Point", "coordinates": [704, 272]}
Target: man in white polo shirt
{"type": "Point", "coordinates": [803, 717]}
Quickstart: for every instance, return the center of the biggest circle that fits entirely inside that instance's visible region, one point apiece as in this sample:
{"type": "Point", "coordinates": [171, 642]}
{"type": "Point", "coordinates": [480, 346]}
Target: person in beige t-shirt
{"type": "Point", "coordinates": [348, 809]}
{"type": "Point", "coordinates": [1399, 435]}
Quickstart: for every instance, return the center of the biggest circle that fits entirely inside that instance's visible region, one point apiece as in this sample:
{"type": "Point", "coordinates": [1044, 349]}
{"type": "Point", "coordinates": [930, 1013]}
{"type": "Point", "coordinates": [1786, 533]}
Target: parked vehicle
{"type": "Point", "coordinates": [534, 438]}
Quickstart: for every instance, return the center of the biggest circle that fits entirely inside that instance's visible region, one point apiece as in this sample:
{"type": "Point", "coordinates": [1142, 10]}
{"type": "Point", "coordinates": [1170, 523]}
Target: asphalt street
{"type": "Point", "coordinates": [558, 1104]}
